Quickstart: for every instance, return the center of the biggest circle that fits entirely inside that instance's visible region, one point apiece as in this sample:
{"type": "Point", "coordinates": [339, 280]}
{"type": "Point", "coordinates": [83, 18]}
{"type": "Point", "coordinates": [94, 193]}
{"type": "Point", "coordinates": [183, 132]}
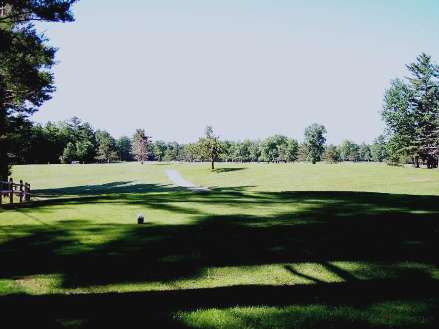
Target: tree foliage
{"type": "Point", "coordinates": [124, 146]}
{"type": "Point", "coordinates": [332, 154]}
{"type": "Point", "coordinates": [349, 151]}
{"type": "Point", "coordinates": [314, 144]}
{"type": "Point", "coordinates": [26, 81]}
{"type": "Point", "coordinates": [69, 153]}
{"type": "Point", "coordinates": [106, 150]}
{"type": "Point", "coordinates": [209, 147]}
{"type": "Point", "coordinates": [411, 113]}
{"type": "Point", "coordinates": [159, 150]}
{"type": "Point", "coordinates": [76, 140]}
{"type": "Point", "coordinates": [378, 149]}
{"type": "Point", "coordinates": [25, 11]}
{"type": "Point", "coordinates": [279, 148]}
{"type": "Point", "coordinates": [141, 145]}
{"type": "Point", "coordinates": [365, 152]}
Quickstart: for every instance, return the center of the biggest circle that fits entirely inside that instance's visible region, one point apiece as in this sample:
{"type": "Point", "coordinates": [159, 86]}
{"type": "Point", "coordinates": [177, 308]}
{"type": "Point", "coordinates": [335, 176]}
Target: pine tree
{"type": "Point", "coordinates": [25, 61]}
{"type": "Point", "coordinates": [411, 113]}
{"type": "Point", "coordinates": [425, 100]}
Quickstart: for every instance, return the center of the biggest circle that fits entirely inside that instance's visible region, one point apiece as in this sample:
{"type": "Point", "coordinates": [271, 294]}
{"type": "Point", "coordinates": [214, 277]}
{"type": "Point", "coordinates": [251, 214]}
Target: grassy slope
{"type": "Point", "coordinates": [262, 231]}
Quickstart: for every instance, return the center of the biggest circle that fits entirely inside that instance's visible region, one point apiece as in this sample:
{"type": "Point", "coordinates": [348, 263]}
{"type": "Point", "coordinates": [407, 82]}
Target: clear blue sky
{"type": "Point", "coordinates": [250, 68]}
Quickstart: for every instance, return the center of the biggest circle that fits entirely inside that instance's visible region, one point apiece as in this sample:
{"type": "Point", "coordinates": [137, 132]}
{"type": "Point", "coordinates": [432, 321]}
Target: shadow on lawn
{"type": "Point", "coordinates": [113, 188]}
{"type": "Point", "coordinates": [329, 226]}
{"type": "Point", "coordinates": [226, 170]}
{"type": "Point", "coordinates": [381, 298]}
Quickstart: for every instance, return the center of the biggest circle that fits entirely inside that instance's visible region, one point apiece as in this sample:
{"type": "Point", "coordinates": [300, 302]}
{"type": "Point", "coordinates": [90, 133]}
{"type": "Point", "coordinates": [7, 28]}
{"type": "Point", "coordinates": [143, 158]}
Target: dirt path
{"type": "Point", "coordinates": [179, 181]}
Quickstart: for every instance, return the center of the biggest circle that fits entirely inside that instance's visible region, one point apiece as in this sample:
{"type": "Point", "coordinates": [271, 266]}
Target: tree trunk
{"type": "Point", "coordinates": [4, 163]}
{"type": "Point", "coordinates": [431, 162]}
{"type": "Point", "coordinates": [213, 164]}
{"type": "Point", "coordinates": [4, 159]}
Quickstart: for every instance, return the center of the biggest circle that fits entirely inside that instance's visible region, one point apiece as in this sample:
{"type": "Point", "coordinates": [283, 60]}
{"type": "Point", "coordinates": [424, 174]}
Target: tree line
{"type": "Point", "coordinates": [75, 140]}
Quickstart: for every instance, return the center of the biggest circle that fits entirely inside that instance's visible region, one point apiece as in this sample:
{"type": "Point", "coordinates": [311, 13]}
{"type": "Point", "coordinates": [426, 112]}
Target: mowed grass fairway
{"type": "Point", "coordinates": [270, 246]}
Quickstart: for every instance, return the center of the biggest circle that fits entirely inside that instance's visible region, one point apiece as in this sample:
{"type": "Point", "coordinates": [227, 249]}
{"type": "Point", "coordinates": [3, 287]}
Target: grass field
{"type": "Point", "coordinates": [270, 246]}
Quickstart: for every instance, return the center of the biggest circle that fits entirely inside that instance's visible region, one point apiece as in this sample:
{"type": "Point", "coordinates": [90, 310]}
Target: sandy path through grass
{"type": "Point", "coordinates": [180, 181]}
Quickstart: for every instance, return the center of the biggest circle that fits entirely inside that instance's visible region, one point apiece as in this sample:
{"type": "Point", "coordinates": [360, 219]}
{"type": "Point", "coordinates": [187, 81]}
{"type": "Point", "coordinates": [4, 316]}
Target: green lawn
{"type": "Point", "coordinates": [270, 246]}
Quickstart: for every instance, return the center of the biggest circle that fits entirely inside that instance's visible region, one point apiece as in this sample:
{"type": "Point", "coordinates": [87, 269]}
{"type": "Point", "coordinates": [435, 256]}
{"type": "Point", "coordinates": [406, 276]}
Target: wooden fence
{"type": "Point", "coordinates": [9, 189]}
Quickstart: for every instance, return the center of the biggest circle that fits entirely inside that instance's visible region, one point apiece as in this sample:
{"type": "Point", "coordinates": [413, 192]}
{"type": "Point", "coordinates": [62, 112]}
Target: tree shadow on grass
{"type": "Point", "coordinates": [340, 300]}
{"type": "Point", "coordinates": [122, 187]}
{"type": "Point", "coordinates": [226, 170]}
{"type": "Point", "coordinates": [327, 203]}
{"type": "Point", "coordinates": [332, 227]}
{"type": "Point", "coordinates": [377, 230]}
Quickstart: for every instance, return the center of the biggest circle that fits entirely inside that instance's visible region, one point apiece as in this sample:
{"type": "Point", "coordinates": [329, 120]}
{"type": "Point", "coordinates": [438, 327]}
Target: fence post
{"type": "Point", "coordinates": [25, 192]}
{"type": "Point", "coordinates": [27, 188]}
{"type": "Point", "coordinates": [11, 190]}
{"type": "Point", "coordinates": [21, 190]}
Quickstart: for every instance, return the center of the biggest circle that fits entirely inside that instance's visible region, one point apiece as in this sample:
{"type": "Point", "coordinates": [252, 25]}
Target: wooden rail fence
{"type": "Point", "coordinates": [9, 189]}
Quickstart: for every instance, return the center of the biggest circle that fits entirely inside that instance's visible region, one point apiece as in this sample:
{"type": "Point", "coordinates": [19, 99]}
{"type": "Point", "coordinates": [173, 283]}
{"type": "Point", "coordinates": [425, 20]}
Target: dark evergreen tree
{"type": "Point", "coordinates": [123, 145]}
{"type": "Point", "coordinates": [411, 113]}
{"type": "Point", "coordinates": [25, 61]}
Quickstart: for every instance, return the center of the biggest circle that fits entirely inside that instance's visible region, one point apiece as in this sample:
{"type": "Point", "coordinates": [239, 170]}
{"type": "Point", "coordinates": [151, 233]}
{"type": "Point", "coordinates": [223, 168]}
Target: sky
{"type": "Point", "coordinates": [249, 68]}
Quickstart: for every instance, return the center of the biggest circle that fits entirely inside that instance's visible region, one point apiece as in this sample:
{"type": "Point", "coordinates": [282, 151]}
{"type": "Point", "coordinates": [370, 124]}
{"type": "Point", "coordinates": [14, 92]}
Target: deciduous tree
{"type": "Point", "coordinates": [141, 145]}
{"type": "Point", "coordinates": [315, 139]}
{"type": "Point", "coordinates": [209, 147]}
{"type": "Point", "coordinates": [365, 152]}
{"type": "Point", "coordinates": [69, 153]}
{"type": "Point", "coordinates": [159, 150]}
{"type": "Point", "coordinates": [332, 154]}
{"type": "Point", "coordinates": [349, 151]}
{"type": "Point", "coordinates": [106, 151]}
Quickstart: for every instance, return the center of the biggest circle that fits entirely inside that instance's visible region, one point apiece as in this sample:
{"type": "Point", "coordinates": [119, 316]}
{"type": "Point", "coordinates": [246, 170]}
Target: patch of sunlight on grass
{"type": "Point", "coordinates": [422, 212]}
{"type": "Point", "coordinates": [9, 287]}
{"type": "Point", "coordinates": [395, 314]}
{"type": "Point", "coordinates": [213, 277]}
{"type": "Point", "coordinates": [313, 272]}
{"type": "Point", "coordinates": [72, 323]}
{"type": "Point", "coordinates": [369, 177]}
{"type": "Point", "coordinates": [38, 284]}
